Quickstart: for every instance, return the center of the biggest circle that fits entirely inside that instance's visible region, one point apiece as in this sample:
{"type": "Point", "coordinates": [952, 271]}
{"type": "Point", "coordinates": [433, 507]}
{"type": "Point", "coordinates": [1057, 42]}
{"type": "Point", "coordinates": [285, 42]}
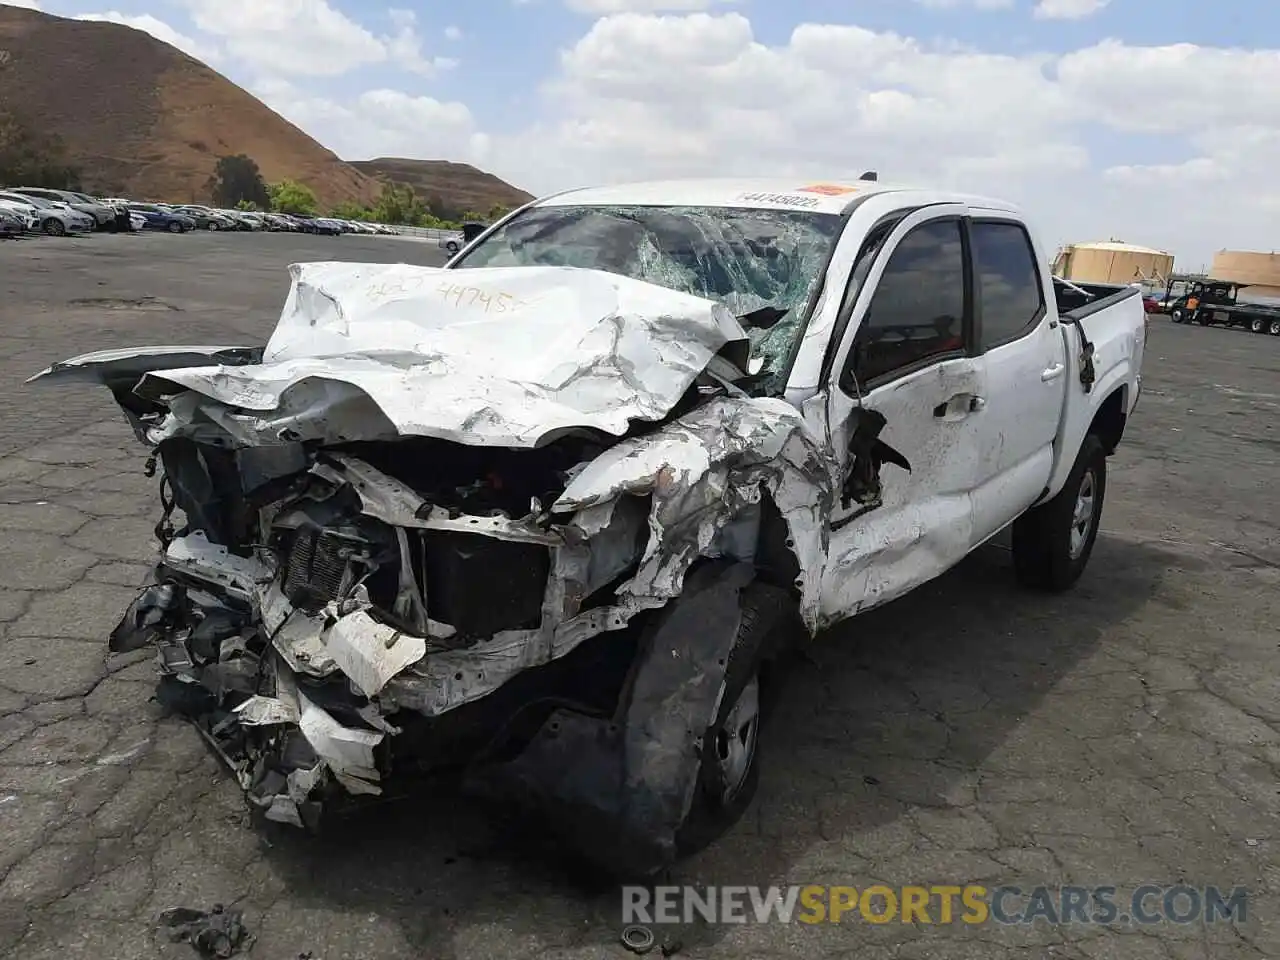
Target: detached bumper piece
{"type": "Point", "coordinates": [297, 746]}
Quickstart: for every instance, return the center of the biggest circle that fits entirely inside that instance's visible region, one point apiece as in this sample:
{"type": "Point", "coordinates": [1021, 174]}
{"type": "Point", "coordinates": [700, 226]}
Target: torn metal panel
{"type": "Point", "coordinates": [239, 577]}
{"type": "Point", "coordinates": [705, 471]}
{"type": "Point", "coordinates": [127, 365]}
{"type": "Point", "coordinates": [347, 752]}
{"type": "Point", "coordinates": [371, 653]}
{"type": "Point", "coordinates": [266, 711]}
{"type": "Point", "coordinates": [502, 356]}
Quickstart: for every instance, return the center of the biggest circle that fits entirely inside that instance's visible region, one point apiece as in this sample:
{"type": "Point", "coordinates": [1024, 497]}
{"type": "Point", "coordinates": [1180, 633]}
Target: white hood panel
{"type": "Point", "coordinates": [502, 356]}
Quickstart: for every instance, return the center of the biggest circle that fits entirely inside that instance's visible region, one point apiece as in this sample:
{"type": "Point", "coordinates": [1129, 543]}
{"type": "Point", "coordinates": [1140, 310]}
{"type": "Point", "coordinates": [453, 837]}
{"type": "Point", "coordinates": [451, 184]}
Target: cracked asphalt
{"type": "Point", "coordinates": [1125, 733]}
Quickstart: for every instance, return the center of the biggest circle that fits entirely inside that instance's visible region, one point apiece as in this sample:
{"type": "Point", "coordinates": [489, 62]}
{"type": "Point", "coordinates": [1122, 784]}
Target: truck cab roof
{"type": "Point", "coordinates": [835, 196]}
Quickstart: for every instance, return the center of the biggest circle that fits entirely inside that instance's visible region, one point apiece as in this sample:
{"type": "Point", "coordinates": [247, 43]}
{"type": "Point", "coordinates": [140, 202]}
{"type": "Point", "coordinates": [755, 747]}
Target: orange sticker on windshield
{"type": "Point", "coordinates": [828, 189]}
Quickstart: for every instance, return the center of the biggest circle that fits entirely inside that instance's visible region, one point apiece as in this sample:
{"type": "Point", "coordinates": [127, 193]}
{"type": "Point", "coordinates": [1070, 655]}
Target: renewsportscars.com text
{"type": "Point", "coordinates": [936, 904]}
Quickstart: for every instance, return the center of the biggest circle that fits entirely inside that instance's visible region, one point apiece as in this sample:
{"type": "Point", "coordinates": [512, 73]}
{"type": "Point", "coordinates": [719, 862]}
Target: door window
{"type": "Point", "coordinates": [1009, 286]}
{"type": "Point", "coordinates": [917, 312]}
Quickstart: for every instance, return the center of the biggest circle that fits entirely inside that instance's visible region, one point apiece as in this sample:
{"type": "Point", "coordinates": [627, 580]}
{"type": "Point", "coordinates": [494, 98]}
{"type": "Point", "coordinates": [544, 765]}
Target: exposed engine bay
{"type": "Point", "coordinates": [344, 596]}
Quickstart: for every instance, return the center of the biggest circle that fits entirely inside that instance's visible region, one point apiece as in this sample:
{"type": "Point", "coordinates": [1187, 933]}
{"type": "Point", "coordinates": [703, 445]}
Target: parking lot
{"type": "Point", "coordinates": [1125, 733]}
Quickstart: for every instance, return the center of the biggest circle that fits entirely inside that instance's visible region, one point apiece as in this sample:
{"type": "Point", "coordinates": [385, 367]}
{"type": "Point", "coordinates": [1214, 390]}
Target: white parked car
{"type": "Point", "coordinates": [564, 526]}
{"type": "Point", "coordinates": [55, 219]}
{"type": "Point", "coordinates": [26, 212]}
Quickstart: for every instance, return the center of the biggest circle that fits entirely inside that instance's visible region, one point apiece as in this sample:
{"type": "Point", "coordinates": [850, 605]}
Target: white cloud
{"type": "Point", "coordinates": [452, 33]}
{"type": "Point", "coordinates": [976, 4]}
{"type": "Point", "coordinates": [607, 7]}
{"type": "Point", "coordinates": [380, 123]}
{"type": "Point", "coordinates": [206, 52]}
{"type": "Point", "coordinates": [301, 37]}
{"type": "Point", "coordinates": [311, 37]}
{"type": "Point", "coordinates": [1068, 9]}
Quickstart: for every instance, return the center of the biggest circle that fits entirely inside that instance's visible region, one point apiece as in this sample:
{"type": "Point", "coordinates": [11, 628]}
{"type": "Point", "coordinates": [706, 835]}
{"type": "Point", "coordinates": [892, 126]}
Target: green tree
{"type": "Point", "coordinates": [398, 204]}
{"type": "Point", "coordinates": [497, 212]}
{"type": "Point", "coordinates": [236, 179]}
{"type": "Point", "coordinates": [471, 216]}
{"type": "Point", "coordinates": [290, 196]}
{"type": "Point", "coordinates": [29, 160]}
{"type": "Point", "coordinates": [248, 206]}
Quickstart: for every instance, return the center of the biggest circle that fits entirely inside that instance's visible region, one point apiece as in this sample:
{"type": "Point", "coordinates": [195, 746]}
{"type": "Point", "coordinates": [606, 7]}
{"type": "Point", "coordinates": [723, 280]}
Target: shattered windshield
{"type": "Point", "coordinates": [747, 259]}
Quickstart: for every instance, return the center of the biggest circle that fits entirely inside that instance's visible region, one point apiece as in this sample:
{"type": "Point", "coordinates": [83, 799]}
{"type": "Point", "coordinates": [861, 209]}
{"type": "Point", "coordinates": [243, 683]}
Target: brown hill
{"type": "Point", "coordinates": [459, 187]}
{"type": "Point", "coordinates": [142, 119]}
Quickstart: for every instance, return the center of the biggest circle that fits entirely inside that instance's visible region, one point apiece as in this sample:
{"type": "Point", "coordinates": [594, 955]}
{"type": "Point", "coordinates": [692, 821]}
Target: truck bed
{"type": "Point", "coordinates": [1107, 324]}
{"type": "Point", "coordinates": [1078, 300]}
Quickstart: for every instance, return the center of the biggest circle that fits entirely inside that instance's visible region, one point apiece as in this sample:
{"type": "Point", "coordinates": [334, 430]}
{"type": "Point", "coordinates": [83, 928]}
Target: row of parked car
{"type": "Point", "coordinates": [61, 212]}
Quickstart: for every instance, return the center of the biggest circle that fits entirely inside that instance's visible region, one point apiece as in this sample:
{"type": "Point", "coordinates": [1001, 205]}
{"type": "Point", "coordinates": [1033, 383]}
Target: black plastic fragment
{"type": "Point", "coordinates": [218, 933]}
{"type": "Point", "coordinates": [147, 618]}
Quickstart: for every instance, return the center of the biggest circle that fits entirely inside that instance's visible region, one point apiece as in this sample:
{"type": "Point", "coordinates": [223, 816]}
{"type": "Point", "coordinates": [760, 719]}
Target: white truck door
{"type": "Point", "coordinates": [1019, 338]}
{"type": "Point", "coordinates": [907, 355]}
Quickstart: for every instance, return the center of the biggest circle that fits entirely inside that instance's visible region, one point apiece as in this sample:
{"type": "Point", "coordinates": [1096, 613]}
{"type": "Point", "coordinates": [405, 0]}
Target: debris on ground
{"type": "Point", "coordinates": [216, 934]}
{"type": "Point", "coordinates": [637, 939]}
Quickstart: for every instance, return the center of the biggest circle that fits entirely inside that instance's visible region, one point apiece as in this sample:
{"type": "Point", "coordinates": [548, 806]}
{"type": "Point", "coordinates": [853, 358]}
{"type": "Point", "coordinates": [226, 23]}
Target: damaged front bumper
{"type": "Point", "coordinates": [291, 658]}
{"type": "Point", "coordinates": [368, 629]}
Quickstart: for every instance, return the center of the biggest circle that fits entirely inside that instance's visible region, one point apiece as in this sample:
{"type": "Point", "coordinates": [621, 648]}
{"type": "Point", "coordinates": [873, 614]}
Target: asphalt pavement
{"type": "Point", "coordinates": [1125, 733]}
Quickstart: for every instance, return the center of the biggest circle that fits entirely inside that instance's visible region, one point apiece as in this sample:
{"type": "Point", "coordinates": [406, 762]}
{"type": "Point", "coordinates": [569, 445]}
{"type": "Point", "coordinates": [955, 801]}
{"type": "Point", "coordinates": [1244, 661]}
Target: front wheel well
{"type": "Point", "coordinates": [776, 562]}
{"type": "Point", "coordinates": [1109, 422]}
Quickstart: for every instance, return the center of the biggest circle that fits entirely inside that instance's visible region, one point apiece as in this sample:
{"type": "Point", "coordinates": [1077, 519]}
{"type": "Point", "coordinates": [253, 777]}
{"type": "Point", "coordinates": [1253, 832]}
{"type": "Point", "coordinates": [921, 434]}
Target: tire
{"type": "Point", "coordinates": [213, 227]}
{"type": "Point", "coordinates": [752, 681]}
{"type": "Point", "coordinates": [451, 246]}
{"type": "Point", "coordinates": [175, 227]}
{"type": "Point", "coordinates": [1256, 325]}
{"type": "Point", "coordinates": [54, 227]}
{"type": "Point", "coordinates": [1050, 549]}
{"type": "Point", "coordinates": [1178, 316]}
{"type": "Point", "coordinates": [1274, 328]}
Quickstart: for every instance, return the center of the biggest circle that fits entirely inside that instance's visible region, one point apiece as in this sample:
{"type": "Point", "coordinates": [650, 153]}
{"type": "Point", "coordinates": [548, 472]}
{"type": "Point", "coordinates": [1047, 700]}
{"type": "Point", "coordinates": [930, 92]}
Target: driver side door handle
{"type": "Point", "coordinates": [1053, 373]}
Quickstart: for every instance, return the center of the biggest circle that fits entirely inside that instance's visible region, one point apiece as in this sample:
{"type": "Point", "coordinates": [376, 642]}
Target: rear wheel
{"type": "Point", "coordinates": [1257, 325]}
{"type": "Point", "coordinates": [1052, 542]}
{"type": "Point", "coordinates": [175, 227]}
{"type": "Point", "coordinates": [1274, 328]}
{"type": "Point", "coordinates": [54, 227]}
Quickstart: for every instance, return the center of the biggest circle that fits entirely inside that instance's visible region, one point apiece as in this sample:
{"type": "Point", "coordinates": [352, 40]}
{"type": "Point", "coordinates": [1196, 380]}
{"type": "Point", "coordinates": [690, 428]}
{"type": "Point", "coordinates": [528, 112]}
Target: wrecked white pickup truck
{"type": "Point", "coordinates": [554, 515]}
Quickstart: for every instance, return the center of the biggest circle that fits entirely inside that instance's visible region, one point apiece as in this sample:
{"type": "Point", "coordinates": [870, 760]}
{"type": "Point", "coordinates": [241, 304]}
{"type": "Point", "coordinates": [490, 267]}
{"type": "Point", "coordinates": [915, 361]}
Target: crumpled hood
{"type": "Point", "coordinates": [495, 356]}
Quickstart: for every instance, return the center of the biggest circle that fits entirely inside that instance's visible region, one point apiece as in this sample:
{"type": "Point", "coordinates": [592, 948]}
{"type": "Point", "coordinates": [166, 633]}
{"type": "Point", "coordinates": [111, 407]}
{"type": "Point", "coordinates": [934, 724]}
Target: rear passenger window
{"type": "Point", "coordinates": [917, 310]}
{"type": "Point", "coordinates": [1011, 296]}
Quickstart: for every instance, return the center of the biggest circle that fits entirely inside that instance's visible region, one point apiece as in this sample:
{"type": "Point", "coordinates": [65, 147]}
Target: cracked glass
{"type": "Point", "coordinates": [745, 258]}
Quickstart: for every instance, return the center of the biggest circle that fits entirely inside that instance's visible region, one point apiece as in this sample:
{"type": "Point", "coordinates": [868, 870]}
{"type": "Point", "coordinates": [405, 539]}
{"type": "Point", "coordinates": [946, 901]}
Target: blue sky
{"type": "Point", "coordinates": [1150, 122]}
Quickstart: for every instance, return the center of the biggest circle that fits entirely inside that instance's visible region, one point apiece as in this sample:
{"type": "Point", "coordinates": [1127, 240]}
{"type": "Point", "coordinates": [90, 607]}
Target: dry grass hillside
{"type": "Point", "coordinates": [461, 186]}
{"type": "Point", "coordinates": [142, 119]}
